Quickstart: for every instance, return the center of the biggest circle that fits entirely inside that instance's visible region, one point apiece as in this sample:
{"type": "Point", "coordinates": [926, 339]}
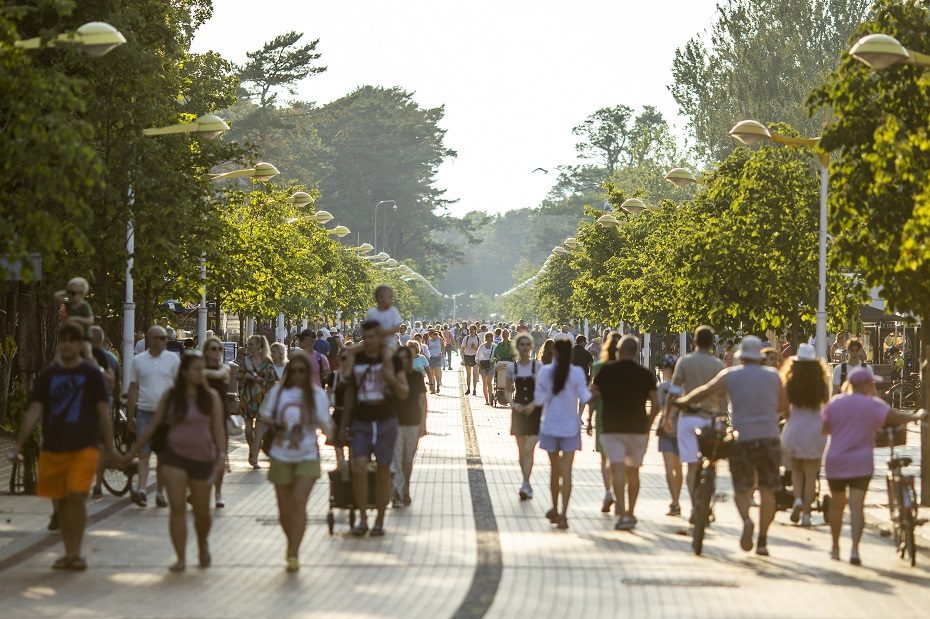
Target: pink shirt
{"type": "Point", "coordinates": [853, 420]}
{"type": "Point", "coordinates": [192, 437]}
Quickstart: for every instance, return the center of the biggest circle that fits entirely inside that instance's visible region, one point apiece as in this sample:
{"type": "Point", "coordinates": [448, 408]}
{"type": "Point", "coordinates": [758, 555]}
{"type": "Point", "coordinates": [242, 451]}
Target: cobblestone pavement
{"type": "Point", "coordinates": [433, 564]}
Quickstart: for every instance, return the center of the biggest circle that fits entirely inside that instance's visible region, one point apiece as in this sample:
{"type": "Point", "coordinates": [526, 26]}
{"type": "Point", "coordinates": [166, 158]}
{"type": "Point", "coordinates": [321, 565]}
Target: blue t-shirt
{"type": "Point", "coordinates": [69, 399]}
{"type": "Point", "coordinates": [420, 363]}
{"type": "Point", "coordinates": [435, 347]}
{"type": "Point", "coordinates": [322, 347]}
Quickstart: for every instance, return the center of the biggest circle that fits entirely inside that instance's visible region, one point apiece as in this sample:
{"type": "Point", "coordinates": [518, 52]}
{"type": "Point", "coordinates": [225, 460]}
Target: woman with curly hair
{"type": "Point", "coordinates": [807, 383]}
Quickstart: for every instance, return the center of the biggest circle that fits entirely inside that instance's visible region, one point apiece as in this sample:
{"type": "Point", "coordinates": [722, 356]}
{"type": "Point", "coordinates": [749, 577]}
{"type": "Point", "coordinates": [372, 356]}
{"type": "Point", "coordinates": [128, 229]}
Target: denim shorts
{"type": "Point", "coordinates": [143, 419]}
{"type": "Point", "coordinates": [436, 362]}
{"type": "Point", "coordinates": [373, 437]}
{"type": "Point", "coordinates": [668, 444]}
{"type": "Point", "coordinates": [554, 444]}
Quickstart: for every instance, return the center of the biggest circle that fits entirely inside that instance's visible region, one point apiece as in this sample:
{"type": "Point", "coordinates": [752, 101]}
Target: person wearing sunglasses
{"type": "Point", "coordinates": [218, 375]}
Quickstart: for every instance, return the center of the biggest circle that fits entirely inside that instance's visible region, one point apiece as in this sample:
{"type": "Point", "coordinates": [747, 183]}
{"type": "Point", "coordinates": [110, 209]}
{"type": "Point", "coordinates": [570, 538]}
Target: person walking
{"type": "Point", "coordinates": [218, 376]}
{"type": "Point", "coordinates": [691, 372]}
{"type": "Point", "coordinates": [319, 364]}
{"type": "Point", "coordinates": [583, 359]}
{"type": "Point", "coordinates": [596, 410]}
{"type": "Point", "coordinates": [559, 387]}
{"type": "Point", "coordinates": [69, 399]}
{"type": "Point", "coordinates": [546, 351]}
{"type": "Point", "coordinates": [854, 360]}
{"type": "Point", "coordinates": [757, 397]}
{"type": "Point", "coordinates": [190, 417]}
{"type": "Point", "coordinates": [624, 387]}
{"type": "Point", "coordinates": [411, 420]}
{"type": "Point", "coordinates": [435, 345]}
{"type": "Point", "coordinates": [525, 414]}
{"type": "Point", "coordinates": [293, 411]}
{"type": "Point", "coordinates": [151, 374]}
{"type": "Point", "coordinates": [483, 356]}
{"type": "Point", "coordinates": [668, 440]}
{"type": "Point", "coordinates": [448, 338]}
{"type": "Point", "coordinates": [503, 351]}
{"type": "Point", "coordinates": [806, 382]}
{"type": "Point", "coordinates": [371, 423]}
{"type": "Point", "coordinates": [851, 420]}
{"type": "Point", "coordinates": [469, 349]}
{"type": "Point", "coordinates": [256, 378]}
{"type": "Point", "coordinates": [278, 358]}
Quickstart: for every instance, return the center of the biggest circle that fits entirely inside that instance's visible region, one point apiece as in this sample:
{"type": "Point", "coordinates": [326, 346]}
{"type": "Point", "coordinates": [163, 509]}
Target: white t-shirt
{"type": "Point", "coordinates": [388, 319]}
{"type": "Point", "coordinates": [298, 442]}
{"type": "Point", "coordinates": [154, 375]}
{"type": "Point", "coordinates": [470, 344]}
{"type": "Point", "coordinates": [139, 347]}
{"type": "Point", "coordinates": [838, 372]}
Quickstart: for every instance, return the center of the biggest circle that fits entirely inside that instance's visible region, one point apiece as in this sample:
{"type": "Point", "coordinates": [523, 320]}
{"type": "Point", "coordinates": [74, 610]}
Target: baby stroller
{"type": "Point", "coordinates": [784, 497]}
{"type": "Point", "coordinates": [341, 497]}
{"type": "Point", "coordinates": [502, 391]}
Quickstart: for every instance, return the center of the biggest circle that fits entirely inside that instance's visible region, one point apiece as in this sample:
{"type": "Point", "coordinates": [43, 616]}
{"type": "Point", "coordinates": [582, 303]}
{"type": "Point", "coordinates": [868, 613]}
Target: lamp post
{"type": "Point", "coordinates": [881, 51]}
{"type": "Point", "coordinates": [682, 177]}
{"type": "Point", "coordinates": [208, 126]}
{"type": "Point", "coordinates": [261, 172]}
{"type": "Point", "coordinates": [752, 132]}
{"type": "Point", "coordinates": [453, 297]}
{"type": "Point", "coordinates": [94, 38]}
{"type": "Point", "coordinates": [393, 204]}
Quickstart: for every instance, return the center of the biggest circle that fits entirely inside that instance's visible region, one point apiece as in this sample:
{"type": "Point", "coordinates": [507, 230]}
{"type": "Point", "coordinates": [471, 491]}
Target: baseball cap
{"type": "Point", "coordinates": [862, 375]}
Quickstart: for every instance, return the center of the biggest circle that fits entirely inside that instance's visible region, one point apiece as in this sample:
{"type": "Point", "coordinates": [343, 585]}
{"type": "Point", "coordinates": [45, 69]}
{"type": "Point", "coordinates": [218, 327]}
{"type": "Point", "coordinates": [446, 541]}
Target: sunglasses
{"type": "Point", "coordinates": [71, 292]}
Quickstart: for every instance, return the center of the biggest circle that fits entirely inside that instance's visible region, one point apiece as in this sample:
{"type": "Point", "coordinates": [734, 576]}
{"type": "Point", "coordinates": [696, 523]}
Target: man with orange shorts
{"type": "Point", "coordinates": [70, 399]}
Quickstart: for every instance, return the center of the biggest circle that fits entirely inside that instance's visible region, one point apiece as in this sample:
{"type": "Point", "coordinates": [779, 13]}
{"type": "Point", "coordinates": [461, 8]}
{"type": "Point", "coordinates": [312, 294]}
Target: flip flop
{"type": "Point", "coordinates": [360, 530]}
{"type": "Point", "coordinates": [62, 563]}
{"type": "Point", "coordinates": [78, 564]}
{"type": "Point", "coordinates": [377, 531]}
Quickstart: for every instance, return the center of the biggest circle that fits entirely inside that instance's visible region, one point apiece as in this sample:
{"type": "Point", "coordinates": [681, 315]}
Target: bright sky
{"type": "Point", "coordinates": [515, 75]}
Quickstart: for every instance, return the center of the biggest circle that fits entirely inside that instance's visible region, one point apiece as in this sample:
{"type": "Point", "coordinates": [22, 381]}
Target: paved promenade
{"type": "Point", "coordinates": [466, 548]}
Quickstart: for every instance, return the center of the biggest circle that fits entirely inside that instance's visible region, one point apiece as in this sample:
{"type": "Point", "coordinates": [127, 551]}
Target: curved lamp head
{"type": "Point", "coordinates": [633, 206]}
{"type": "Point", "coordinates": [750, 132]}
{"type": "Point", "coordinates": [300, 199]}
{"type": "Point", "coordinates": [95, 38]}
{"type": "Point", "coordinates": [560, 250]}
{"type": "Point", "coordinates": [608, 221]}
{"type": "Point", "coordinates": [364, 248]}
{"type": "Point", "coordinates": [879, 51]}
{"type": "Point", "coordinates": [680, 177]}
{"type": "Point", "coordinates": [323, 216]}
{"type": "Point", "coordinates": [571, 242]}
{"type": "Point", "coordinates": [340, 231]}
{"type": "Point", "coordinates": [390, 262]}
{"type": "Point", "coordinates": [208, 126]}
{"type": "Point", "coordinates": [264, 171]}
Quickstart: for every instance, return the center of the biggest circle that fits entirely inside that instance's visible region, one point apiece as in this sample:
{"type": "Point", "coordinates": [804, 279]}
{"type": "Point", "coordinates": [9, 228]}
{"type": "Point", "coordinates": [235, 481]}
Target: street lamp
{"type": "Point", "coordinates": [608, 221]}
{"type": "Point", "coordinates": [681, 177]}
{"type": "Point", "coordinates": [453, 297]}
{"type": "Point", "coordinates": [208, 126]}
{"type": "Point", "coordinates": [393, 204]}
{"type": "Point", "coordinates": [633, 206]}
{"type": "Point", "coordinates": [364, 248]}
{"type": "Point", "coordinates": [261, 172]}
{"type": "Point", "coordinates": [340, 231]}
{"type": "Point", "coordinates": [560, 250]}
{"type": "Point", "coordinates": [571, 242]}
{"type": "Point", "coordinates": [94, 38]}
{"type": "Point", "coordinates": [300, 199]}
{"type": "Point", "coordinates": [753, 132]}
{"type": "Point", "coordinates": [880, 51]}
{"type": "Point", "coordinates": [323, 217]}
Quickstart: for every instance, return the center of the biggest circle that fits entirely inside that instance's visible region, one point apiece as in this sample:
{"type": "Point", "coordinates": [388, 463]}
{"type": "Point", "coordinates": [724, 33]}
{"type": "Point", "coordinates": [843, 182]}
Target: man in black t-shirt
{"type": "Point", "coordinates": [371, 421]}
{"type": "Point", "coordinates": [624, 387]}
{"type": "Point", "coordinates": [583, 359]}
{"type": "Point", "coordinates": [70, 398]}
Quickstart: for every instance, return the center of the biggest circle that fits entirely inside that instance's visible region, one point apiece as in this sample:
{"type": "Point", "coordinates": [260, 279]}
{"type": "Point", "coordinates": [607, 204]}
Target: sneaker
{"type": "Point", "coordinates": [625, 523]}
{"type": "Point", "coordinates": [673, 510]}
{"type": "Point", "coordinates": [529, 491]}
{"type": "Point", "coordinates": [835, 554]}
{"type": "Point", "coordinates": [762, 551]}
{"type": "Point", "coordinates": [522, 493]}
{"type": "Point", "coordinates": [805, 520]}
{"type": "Point", "coordinates": [138, 497]}
{"type": "Point", "coordinates": [397, 500]}
{"type": "Point", "coordinates": [796, 511]}
{"type": "Point", "coordinates": [854, 559]}
{"type": "Point", "coordinates": [608, 503]}
{"type": "Point", "coordinates": [160, 500]}
{"type": "Point", "coordinates": [745, 540]}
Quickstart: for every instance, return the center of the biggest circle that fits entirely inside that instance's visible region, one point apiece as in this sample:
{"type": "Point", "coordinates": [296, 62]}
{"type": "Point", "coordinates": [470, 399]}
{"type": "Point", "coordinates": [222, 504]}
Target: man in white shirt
{"type": "Point", "coordinates": [842, 370]}
{"type": "Point", "coordinates": [151, 374]}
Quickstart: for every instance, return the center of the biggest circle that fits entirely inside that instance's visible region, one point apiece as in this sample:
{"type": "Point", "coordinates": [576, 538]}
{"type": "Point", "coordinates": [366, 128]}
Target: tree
{"type": "Point", "coordinates": [280, 63]}
{"type": "Point", "coordinates": [764, 58]}
{"type": "Point", "coordinates": [880, 172]}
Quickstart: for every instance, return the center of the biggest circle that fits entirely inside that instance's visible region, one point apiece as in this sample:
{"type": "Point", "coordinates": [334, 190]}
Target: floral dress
{"type": "Point", "coordinates": [252, 392]}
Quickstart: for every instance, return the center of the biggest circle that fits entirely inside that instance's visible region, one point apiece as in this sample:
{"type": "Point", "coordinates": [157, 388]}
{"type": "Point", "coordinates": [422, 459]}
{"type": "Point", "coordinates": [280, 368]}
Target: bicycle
{"type": "Point", "coordinates": [116, 480]}
{"type": "Point", "coordinates": [902, 500]}
{"type": "Point", "coordinates": [715, 441]}
{"type": "Point", "coordinates": [906, 394]}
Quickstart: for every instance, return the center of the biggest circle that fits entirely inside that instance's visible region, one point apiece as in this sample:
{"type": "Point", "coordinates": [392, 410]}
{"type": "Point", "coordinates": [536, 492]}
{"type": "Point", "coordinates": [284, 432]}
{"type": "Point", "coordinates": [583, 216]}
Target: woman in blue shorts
{"type": "Point", "coordinates": [668, 439]}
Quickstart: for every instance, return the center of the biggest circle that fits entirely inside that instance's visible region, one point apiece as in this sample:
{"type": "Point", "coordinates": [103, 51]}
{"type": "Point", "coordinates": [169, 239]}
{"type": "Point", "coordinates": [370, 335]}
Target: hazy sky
{"type": "Point", "coordinates": [514, 75]}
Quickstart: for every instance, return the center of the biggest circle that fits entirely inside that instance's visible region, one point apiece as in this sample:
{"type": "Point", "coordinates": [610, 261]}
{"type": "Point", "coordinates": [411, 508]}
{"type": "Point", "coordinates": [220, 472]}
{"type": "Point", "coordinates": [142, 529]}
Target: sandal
{"type": "Point", "coordinates": [205, 559]}
{"type": "Point", "coordinates": [62, 563]}
{"type": "Point", "coordinates": [360, 530]}
{"type": "Point", "coordinates": [78, 564]}
{"type": "Point", "coordinates": [220, 504]}
{"type": "Point", "coordinates": [553, 515]}
{"type": "Point", "coordinates": [563, 523]}
{"type": "Point", "coordinates": [377, 531]}
{"type": "Point", "coordinates": [178, 567]}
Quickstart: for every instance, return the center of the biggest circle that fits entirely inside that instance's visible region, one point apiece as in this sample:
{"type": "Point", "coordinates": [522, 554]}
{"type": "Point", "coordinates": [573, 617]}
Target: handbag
{"type": "Point", "coordinates": [269, 429]}
{"type": "Point", "coordinates": [898, 438]}
{"type": "Point", "coordinates": [235, 425]}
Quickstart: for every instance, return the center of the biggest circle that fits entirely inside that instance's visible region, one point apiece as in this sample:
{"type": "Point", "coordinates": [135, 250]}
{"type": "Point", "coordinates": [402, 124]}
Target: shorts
{"type": "Point", "coordinates": [436, 362]}
{"type": "Point", "coordinates": [758, 457]}
{"type": "Point", "coordinates": [554, 444]}
{"type": "Point", "coordinates": [484, 368]}
{"type": "Point", "coordinates": [522, 424]}
{"type": "Point", "coordinates": [143, 419]}
{"type": "Point", "coordinates": [373, 437]}
{"type": "Point", "coordinates": [630, 449]}
{"type": "Point", "coordinates": [284, 473]}
{"type": "Point", "coordinates": [66, 472]}
{"type": "Point", "coordinates": [201, 470]}
{"type": "Point", "coordinates": [687, 439]}
{"type": "Point", "coordinates": [469, 361]}
{"type": "Point", "coordinates": [668, 445]}
{"type": "Point", "coordinates": [854, 483]}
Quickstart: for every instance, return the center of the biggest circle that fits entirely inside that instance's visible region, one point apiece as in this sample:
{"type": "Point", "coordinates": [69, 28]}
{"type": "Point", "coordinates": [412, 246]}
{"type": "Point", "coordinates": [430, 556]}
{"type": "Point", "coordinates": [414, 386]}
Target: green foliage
{"type": "Point", "coordinates": [880, 175]}
{"type": "Point", "coordinates": [765, 57]}
{"type": "Point", "coordinates": [280, 63]}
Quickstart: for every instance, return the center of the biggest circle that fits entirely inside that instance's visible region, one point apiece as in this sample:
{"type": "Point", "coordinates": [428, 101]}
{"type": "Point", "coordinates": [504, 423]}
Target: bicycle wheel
{"type": "Point", "coordinates": [117, 481]}
{"type": "Point", "coordinates": [908, 522]}
{"type": "Point", "coordinates": [702, 497]}
{"type": "Point", "coordinates": [893, 511]}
